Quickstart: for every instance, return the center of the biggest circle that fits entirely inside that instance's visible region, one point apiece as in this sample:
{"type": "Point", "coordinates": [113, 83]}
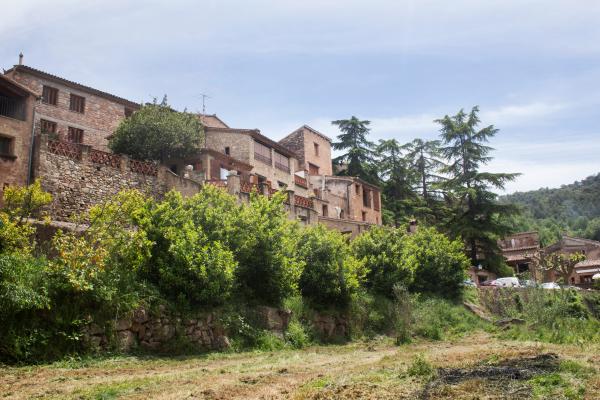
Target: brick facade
{"type": "Point", "coordinates": [101, 115]}
{"type": "Point", "coordinates": [313, 148]}
{"type": "Point", "coordinates": [16, 116]}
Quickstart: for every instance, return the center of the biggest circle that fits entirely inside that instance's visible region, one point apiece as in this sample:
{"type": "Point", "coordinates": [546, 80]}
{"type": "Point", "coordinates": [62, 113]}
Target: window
{"type": "Point", "coordinates": [227, 151]}
{"type": "Point", "coordinates": [357, 188]}
{"type": "Point", "coordinates": [77, 103]}
{"type": "Point", "coordinates": [364, 216]}
{"type": "Point", "coordinates": [341, 214]}
{"type": "Point", "coordinates": [6, 146]}
{"type": "Point", "coordinates": [366, 198]}
{"type": "Point", "coordinates": [282, 185]}
{"type": "Point", "coordinates": [75, 135]}
{"type": "Point", "coordinates": [262, 153]}
{"type": "Point", "coordinates": [313, 169]}
{"type": "Point", "coordinates": [325, 211]}
{"type": "Point", "coordinates": [49, 95]}
{"type": "Point", "coordinates": [48, 126]}
{"type": "Point", "coordinates": [282, 162]}
{"type": "Point", "coordinates": [316, 149]}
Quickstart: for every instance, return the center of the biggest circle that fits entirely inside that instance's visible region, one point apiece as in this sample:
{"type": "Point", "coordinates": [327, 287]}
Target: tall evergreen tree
{"type": "Point", "coordinates": [397, 182]}
{"type": "Point", "coordinates": [358, 157]}
{"type": "Point", "coordinates": [477, 214]}
{"type": "Point", "coordinates": [424, 158]}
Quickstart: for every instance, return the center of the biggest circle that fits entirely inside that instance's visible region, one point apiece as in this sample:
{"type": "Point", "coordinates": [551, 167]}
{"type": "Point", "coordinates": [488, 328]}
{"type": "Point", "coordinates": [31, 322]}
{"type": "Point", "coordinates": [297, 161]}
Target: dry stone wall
{"type": "Point", "coordinates": [79, 177]}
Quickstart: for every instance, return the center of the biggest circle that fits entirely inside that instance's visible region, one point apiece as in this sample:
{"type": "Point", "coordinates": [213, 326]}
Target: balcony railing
{"type": "Point", "coordinates": [262, 158]}
{"type": "Point", "coordinates": [12, 108]}
{"type": "Point", "coordinates": [282, 167]}
{"type": "Point", "coordinates": [300, 181]}
{"type": "Point", "coordinates": [65, 149]}
{"type": "Point", "coordinates": [217, 182]}
{"type": "Point", "coordinates": [302, 201]}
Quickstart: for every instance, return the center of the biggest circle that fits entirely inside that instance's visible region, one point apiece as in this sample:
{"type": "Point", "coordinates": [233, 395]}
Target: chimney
{"type": "Point", "coordinates": [21, 58]}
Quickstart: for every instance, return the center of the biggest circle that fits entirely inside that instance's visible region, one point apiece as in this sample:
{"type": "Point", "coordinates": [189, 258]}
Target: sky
{"type": "Point", "coordinates": [533, 67]}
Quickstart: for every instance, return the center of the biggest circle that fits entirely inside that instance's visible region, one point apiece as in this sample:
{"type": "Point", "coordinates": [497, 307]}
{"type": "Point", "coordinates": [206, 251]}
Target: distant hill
{"type": "Point", "coordinates": [572, 209]}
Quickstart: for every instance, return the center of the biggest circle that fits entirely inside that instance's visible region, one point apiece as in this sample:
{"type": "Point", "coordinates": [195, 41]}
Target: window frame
{"type": "Point", "coordinates": [316, 148]}
{"type": "Point", "coordinates": [44, 122]}
{"type": "Point", "coordinates": [11, 146]}
{"type": "Point", "coordinates": [49, 93]}
{"type": "Point", "coordinates": [75, 132]}
{"type": "Point", "coordinates": [79, 101]}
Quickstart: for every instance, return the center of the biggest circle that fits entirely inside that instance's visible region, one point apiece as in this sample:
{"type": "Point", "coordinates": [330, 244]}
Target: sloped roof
{"type": "Point", "coordinates": [75, 85]}
{"type": "Point", "coordinates": [255, 133]}
{"type": "Point", "coordinates": [22, 89]}
{"type": "Point", "coordinates": [211, 120]}
{"type": "Point", "coordinates": [316, 132]}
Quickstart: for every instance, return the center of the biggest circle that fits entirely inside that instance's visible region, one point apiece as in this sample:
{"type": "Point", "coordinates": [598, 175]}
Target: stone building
{"type": "Point", "coordinates": [584, 270]}
{"type": "Point", "coordinates": [345, 203]}
{"type": "Point", "coordinates": [71, 111]}
{"type": "Point", "coordinates": [17, 103]}
{"type": "Point", "coordinates": [519, 250]}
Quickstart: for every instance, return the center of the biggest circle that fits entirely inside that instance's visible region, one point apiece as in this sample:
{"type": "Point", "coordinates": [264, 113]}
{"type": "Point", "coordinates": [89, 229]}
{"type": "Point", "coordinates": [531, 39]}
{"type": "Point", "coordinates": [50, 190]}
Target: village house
{"type": "Point", "coordinates": [345, 203]}
{"type": "Point", "coordinates": [16, 132]}
{"type": "Point", "coordinates": [519, 250]}
{"type": "Point", "coordinates": [584, 270]}
{"type": "Point", "coordinates": [70, 111]}
{"type": "Point", "coordinates": [58, 130]}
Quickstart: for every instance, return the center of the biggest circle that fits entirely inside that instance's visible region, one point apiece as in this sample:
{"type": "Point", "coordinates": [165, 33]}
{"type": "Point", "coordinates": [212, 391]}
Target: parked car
{"type": "Point", "coordinates": [550, 285]}
{"type": "Point", "coordinates": [507, 282]}
{"type": "Point", "coordinates": [528, 283]}
{"type": "Point", "coordinates": [469, 282]}
{"type": "Point", "coordinates": [489, 282]}
{"type": "Point", "coordinates": [572, 287]}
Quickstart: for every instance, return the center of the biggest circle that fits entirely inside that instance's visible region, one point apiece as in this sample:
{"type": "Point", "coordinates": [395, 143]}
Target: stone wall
{"type": "Point", "coordinates": [78, 177]}
{"type": "Point", "coordinates": [205, 331]}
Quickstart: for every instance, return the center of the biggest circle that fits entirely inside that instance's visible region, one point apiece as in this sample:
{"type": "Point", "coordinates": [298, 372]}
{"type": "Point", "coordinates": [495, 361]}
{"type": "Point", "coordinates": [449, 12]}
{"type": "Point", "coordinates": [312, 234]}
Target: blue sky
{"type": "Point", "coordinates": [532, 66]}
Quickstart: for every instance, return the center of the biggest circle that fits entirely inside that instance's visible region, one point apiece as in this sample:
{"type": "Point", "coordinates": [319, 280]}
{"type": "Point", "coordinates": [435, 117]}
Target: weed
{"type": "Point", "coordinates": [420, 367]}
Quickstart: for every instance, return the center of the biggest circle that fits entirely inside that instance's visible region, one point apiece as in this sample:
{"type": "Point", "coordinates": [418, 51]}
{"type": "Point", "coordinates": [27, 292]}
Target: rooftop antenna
{"type": "Point", "coordinates": [204, 97]}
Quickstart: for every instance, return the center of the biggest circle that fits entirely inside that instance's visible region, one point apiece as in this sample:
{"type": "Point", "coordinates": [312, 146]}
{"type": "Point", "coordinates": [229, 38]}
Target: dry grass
{"type": "Point", "coordinates": [375, 370]}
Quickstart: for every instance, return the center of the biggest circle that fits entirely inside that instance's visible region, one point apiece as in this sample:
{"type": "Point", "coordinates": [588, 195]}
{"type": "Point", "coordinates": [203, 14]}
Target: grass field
{"type": "Point", "coordinates": [479, 366]}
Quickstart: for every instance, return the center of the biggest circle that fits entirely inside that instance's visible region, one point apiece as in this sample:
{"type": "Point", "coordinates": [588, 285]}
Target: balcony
{"type": "Point", "coordinates": [12, 107]}
{"type": "Point", "coordinates": [300, 181]}
{"type": "Point", "coordinates": [282, 167]}
{"type": "Point", "coordinates": [262, 158]}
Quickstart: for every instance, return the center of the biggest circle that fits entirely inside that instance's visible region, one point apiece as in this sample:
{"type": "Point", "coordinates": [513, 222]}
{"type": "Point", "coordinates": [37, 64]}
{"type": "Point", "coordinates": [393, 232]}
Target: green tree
{"type": "Point", "coordinates": [476, 216]}
{"type": "Point", "coordinates": [424, 159]}
{"type": "Point", "coordinates": [358, 154]}
{"type": "Point", "coordinates": [157, 132]}
{"type": "Point", "coordinates": [397, 182]}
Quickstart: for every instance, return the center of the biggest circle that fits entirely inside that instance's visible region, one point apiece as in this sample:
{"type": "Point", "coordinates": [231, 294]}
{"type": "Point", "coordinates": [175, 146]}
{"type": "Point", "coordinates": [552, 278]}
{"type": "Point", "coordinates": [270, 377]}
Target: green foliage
{"type": "Point", "coordinates": [15, 236]}
{"type": "Point", "coordinates": [475, 214]}
{"type": "Point", "coordinates": [25, 202]}
{"type": "Point", "coordinates": [571, 209]}
{"type": "Point", "coordinates": [439, 263]}
{"type": "Point", "coordinates": [268, 269]}
{"type": "Point", "coordinates": [330, 274]}
{"type": "Point", "coordinates": [187, 263]}
{"type": "Point", "coordinates": [157, 132]}
{"type": "Point", "coordinates": [358, 149]}
{"type": "Point", "coordinates": [297, 335]}
{"type": "Point", "coordinates": [22, 285]}
{"type": "Point", "coordinates": [420, 367]}
{"type": "Point", "coordinates": [381, 248]}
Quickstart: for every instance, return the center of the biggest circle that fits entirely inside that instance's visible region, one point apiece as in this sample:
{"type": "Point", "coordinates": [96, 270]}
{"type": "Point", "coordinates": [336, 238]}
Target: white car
{"type": "Point", "coordinates": [550, 285]}
{"type": "Point", "coordinates": [507, 282]}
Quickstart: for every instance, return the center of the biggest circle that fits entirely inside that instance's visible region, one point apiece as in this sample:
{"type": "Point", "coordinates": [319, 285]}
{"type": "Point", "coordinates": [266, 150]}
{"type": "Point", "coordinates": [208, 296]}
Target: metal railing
{"type": "Point", "coordinates": [12, 107]}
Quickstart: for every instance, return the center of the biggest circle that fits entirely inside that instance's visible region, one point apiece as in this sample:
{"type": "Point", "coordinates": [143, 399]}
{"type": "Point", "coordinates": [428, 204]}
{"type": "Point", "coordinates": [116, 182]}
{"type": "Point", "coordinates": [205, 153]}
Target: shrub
{"type": "Point", "coordinates": [296, 335]}
{"type": "Point", "coordinates": [185, 263]}
{"type": "Point", "coordinates": [331, 274]}
{"type": "Point", "coordinates": [25, 202]}
{"type": "Point", "coordinates": [439, 263]}
{"type": "Point", "coordinates": [268, 270]}
{"type": "Point", "coordinates": [420, 367]}
{"type": "Point", "coordinates": [381, 250]}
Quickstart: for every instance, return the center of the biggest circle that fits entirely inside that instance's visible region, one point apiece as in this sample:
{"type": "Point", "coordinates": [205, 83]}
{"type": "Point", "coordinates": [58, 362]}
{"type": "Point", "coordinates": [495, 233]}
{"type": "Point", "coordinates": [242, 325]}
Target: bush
{"type": "Point", "coordinates": [185, 263]}
{"type": "Point", "coordinates": [439, 264]}
{"type": "Point", "coordinates": [296, 335]}
{"type": "Point", "coordinates": [381, 248]}
{"type": "Point", "coordinates": [331, 274]}
{"type": "Point", "coordinates": [268, 269]}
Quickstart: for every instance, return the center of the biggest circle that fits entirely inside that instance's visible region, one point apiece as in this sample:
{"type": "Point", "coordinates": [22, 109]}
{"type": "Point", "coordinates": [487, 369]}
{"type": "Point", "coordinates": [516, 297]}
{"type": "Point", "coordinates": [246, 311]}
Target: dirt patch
{"type": "Point", "coordinates": [505, 380]}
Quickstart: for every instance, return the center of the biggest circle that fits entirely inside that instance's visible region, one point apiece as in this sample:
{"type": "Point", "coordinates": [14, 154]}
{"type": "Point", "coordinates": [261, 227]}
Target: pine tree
{"type": "Point", "coordinates": [476, 216]}
{"type": "Point", "coordinates": [397, 182]}
{"type": "Point", "coordinates": [358, 157]}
